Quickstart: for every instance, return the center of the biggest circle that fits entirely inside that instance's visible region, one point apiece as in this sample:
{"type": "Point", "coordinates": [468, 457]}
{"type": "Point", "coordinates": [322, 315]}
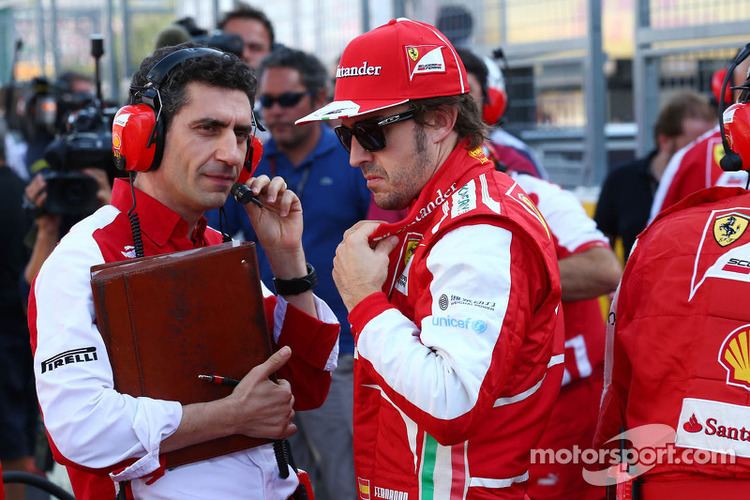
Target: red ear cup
{"type": "Point", "coordinates": [737, 130]}
{"type": "Point", "coordinates": [131, 130]}
{"type": "Point", "coordinates": [716, 81]}
{"type": "Point", "coordinates": [252, 159]}
{"type": "Point", "coordinates": [494, 107]}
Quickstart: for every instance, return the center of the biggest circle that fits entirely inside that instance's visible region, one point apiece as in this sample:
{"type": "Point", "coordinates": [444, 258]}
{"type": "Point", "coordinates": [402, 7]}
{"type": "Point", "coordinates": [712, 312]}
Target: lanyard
{"type": "Point", "coordinates": [300, 187]}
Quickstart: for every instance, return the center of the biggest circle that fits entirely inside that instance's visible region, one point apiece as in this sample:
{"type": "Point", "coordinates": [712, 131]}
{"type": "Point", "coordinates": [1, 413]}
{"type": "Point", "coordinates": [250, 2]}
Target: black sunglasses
{"type": "Point", "coordinates": [369, 133]}
{"type": "Point", "coordinates": [285, 100]}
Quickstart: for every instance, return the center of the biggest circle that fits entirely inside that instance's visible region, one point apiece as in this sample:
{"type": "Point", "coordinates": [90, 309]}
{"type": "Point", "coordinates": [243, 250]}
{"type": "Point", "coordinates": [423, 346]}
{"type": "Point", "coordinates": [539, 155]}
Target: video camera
{"type": "Point", "coordinates": [86, 142]}
{"type": "Point", "coordinates": [215, 39]}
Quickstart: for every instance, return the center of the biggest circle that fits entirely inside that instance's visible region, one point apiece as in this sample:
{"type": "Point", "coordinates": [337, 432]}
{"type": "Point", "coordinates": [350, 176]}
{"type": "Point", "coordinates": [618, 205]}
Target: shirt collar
{"type": "Point", "coordinates": [158, 222]}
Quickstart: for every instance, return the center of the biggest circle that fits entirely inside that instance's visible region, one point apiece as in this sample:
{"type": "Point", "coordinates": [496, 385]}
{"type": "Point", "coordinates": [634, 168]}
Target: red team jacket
{"type": "Point", "coordinates": [694, 167]}
{"type": "Point", "coordinates": [681, 338]}
{"type": "Point", "coordinates": [92, 428]}
{"type": "Point", "coordinates": [459, 358]}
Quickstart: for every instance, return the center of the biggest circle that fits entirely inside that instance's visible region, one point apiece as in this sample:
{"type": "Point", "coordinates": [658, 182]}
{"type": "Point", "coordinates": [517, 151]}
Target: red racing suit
{"type": "Point", "coordinates": [574, 416]}
{"type": "Point", "coordinates": [680, 339]}
{"type": "Point", "coordinates": [93, 429]}
{"type": "Point", "coordinates": [694, 167]}
{"type": "Point", "coordinates": [459, 357]}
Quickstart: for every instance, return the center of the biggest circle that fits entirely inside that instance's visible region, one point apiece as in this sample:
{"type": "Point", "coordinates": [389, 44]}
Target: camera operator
{"type": "Point", "coordinates": [50, 227]}
{"type": "Point", "coordinates": [18, 405]}
{"type": "Point", "coordinates": [44, 109]}
{"type": "Point", "coordinates": [74, 176]}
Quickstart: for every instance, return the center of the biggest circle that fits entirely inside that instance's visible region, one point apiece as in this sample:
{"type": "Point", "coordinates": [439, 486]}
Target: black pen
{"type": "Point", "coordinates": [219, 380]}
{"type": "Point", "coordinates": [279, 447]}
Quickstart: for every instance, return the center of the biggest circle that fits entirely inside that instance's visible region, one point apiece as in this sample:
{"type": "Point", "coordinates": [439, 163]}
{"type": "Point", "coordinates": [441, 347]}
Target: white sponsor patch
{"type": "Point", "coordinates": [714, 426]}
{"type": "Point", "coordinates": [729, 114]}
{"type": "Point", "coordinates": [128, 251]}
{"type": "Point", "coordinates": [121, 119]}
{"type": "Point", "coordinates": [464, 200]}
{"type": "Point", "coordinates": [431, 62]}
{"type": "Point", "coordinates": [732, 179]}
{"type": "Point", "coordinates": [402, 283]}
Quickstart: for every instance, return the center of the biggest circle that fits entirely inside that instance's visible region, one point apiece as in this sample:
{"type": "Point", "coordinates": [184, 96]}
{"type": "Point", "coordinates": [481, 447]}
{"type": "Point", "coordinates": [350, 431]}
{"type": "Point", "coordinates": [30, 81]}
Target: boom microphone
{"type": "Point", "coordinates": [244, 195]}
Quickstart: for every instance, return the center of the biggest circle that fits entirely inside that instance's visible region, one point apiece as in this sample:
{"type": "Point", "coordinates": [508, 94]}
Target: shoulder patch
{"type": "Point", "coordinates": [464, 200]}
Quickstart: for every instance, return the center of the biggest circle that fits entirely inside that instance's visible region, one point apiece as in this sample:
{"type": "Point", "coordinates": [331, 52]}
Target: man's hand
{"type": "Point", "coordinates": [257, 407]}
{"type": "Point", "coordinates": [279, 224]}
{"type": "Point", "coordinates": [104, 193]}
{"type": "Point", "coordinates": [358, 269]}
{"type": "Point", "coordinates": [263, 408]}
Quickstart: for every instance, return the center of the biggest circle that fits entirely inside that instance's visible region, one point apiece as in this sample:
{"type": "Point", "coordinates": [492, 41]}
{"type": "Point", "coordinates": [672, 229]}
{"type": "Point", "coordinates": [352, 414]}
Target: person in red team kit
{"type": "Point", "coordinates": [680, 336]}
{"type": "Point", "coordinates": [696, 166]}
{"type": "Point", "coordinates": [101, 435]}
{"type": "Point", "coordinates": [588, 269]}
{"type": "Point", "coordinates": [454, 309]}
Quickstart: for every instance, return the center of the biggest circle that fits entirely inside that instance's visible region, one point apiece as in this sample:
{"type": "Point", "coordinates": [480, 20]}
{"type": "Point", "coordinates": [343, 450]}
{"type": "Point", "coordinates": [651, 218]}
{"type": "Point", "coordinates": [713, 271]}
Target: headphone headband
{"type": "Point", "coordinates": [161, 69]}
{"type": "Point", "coordinates": [731, 161]}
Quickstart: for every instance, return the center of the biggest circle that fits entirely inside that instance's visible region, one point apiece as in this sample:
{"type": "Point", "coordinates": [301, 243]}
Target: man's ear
{"type": "Point", "coordinates": [664, 142]}
{"type": "Point", "coordinates": [440, 123]}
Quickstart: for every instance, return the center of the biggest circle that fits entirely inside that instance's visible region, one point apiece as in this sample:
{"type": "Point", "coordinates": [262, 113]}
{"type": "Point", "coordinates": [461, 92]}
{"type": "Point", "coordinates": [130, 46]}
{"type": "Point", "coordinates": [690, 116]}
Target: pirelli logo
{"type": "Point", "coordinates": [80, 355]}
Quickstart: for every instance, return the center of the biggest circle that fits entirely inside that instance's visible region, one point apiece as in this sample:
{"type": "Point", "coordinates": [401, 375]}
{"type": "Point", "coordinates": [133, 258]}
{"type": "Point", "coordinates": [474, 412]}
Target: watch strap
{"type": "Point", "coordinates": [295, 286]}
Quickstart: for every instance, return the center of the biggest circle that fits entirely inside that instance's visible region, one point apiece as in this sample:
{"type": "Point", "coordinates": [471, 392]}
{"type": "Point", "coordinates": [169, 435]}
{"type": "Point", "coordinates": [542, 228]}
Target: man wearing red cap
{"type": "Point", "coordinates": [454, 309]}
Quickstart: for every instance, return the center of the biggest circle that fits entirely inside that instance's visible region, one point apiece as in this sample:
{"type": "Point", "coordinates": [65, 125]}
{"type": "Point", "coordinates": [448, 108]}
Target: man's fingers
{"type": "Point", "coordinates": [387, 245]}
{"type": "Point", "coordinates": [361, 230]}
{"type": "Point", "coordinates": [273, 363]}
{"type": "Point", "coordinates": [256, 184]}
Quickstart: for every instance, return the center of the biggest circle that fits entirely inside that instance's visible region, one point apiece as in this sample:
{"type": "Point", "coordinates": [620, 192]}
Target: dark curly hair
{"type": "Point", "coordinates": [225, 71]}
{"type": "Point", "coordinates": [469, 124]}
{"type": "Point", "coordinates": [312, 72]}
{"type": "Point", "coordinates": [245, 11]}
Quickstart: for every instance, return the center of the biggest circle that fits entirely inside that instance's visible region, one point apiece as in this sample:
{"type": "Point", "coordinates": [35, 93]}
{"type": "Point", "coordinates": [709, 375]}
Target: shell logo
{"type": "Point", "coordinates": [734, 356]}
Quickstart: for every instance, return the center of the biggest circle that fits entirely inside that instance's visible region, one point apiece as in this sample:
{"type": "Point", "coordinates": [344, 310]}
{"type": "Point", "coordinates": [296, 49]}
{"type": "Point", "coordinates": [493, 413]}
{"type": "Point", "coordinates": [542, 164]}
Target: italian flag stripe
{"type": "Point", "coordinates": [443, 471]}
{"type": "Point", "coordinates": [427, 479]}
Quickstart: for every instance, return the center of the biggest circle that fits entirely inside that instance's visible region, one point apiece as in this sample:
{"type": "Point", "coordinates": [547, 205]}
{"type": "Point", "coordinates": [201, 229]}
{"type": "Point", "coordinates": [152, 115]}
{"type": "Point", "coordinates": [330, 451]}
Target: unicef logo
{"type": "Point", "coordinates": [443, 302]}
{"type": "Point", "coordinates": [476, 325]}
{"type": "Point", "coordinates": [479, 326]}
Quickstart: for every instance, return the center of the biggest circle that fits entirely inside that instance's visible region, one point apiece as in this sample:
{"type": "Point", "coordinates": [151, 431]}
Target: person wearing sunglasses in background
{"type": "Point", "coordinates": [310, 159]}
{"type": "Point", "coordinates": [453, 308]}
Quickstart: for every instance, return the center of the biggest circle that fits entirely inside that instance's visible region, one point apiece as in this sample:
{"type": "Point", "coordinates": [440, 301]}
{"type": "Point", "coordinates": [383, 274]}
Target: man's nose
{"type": "Point", "coordinates": [358, 155]}
{"type": "Point", "coordinates": [230, 150]}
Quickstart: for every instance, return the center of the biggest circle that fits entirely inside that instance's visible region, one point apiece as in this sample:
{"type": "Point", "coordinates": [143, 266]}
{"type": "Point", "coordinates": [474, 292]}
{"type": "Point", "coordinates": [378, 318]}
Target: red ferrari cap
{"type": "Point", "coordinates": [390, 65]}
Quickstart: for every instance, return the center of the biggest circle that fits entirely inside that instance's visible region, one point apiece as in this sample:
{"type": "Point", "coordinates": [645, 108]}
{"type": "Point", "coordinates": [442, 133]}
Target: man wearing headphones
{"type": "Point", "coordinates": [187, 134]}
{"type": "Point", "coordinates": [680, 337]}
{"type": "Point", "coordinates": [696, 166]}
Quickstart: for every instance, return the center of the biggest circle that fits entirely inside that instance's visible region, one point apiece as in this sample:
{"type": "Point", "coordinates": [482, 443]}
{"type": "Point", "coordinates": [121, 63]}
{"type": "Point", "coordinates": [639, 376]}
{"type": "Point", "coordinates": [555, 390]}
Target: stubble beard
{"type": "Point", "coordinates": [407, 184]}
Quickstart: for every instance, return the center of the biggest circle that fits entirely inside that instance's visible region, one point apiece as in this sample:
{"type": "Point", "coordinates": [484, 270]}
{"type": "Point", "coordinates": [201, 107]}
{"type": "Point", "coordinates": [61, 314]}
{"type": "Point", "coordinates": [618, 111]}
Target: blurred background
{"type": "Point", "coordinates": [585, 78]}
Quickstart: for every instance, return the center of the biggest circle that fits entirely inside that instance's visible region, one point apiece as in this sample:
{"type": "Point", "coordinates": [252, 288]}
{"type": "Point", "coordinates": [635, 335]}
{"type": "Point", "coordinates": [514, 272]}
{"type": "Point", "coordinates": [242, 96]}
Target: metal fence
{"type": "Point", "coordinates": [585, 78]}
{"type": "Point", "coordinates": [678, 45]}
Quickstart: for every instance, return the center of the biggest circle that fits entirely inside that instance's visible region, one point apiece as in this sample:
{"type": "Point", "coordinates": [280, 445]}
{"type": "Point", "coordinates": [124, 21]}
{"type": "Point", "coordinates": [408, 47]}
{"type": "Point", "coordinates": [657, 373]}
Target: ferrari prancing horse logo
{"type": "Point", "coordinates": [729, 228]}
{"type": "Point", "coordinates": [413, 53]}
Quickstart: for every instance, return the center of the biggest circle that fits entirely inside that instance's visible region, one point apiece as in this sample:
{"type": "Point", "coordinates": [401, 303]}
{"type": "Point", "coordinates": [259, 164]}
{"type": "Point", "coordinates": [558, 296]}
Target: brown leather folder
{"type": "Point", "coordinates": [168, 318]}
